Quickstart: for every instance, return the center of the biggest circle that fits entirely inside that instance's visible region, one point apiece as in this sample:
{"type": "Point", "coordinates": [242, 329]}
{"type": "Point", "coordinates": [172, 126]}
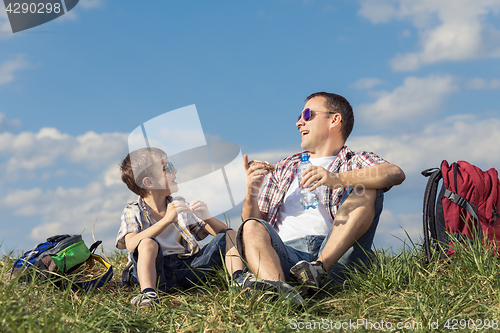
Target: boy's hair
{"type": "Point", "coordinates": [138, 165]}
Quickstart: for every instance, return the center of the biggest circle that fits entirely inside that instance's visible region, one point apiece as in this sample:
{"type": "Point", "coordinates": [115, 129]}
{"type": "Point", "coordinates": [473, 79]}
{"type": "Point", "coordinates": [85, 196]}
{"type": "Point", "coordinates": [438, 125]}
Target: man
{"type": "Point", "coordinates": [279, 239]}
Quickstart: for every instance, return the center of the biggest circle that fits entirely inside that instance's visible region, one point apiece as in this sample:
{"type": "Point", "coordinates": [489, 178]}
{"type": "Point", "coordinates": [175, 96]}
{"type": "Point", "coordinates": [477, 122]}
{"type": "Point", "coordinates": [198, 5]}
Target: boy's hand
{"type": "Point", "coordinates": [200, 209]}
{"type": "Point", "coordinates": [181, 206]}
{"type": "Point", "coordinates": [171, 214]}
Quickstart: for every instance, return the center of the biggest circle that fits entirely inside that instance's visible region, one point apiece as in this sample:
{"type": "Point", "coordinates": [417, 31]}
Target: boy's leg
{"type": "Point", "coordinates": [191, 270]}
{"type": "Point", "coordinates": [146, 268]}
{"type": "Point", "coordinates": [148, 260]}
{"type": "Point", "coordinates": [150, 268]}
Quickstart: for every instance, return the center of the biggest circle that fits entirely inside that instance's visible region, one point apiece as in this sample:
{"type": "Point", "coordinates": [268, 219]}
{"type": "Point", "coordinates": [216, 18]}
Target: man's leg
{"type": "Point", "coordinates": [354, 218]}
{"type": "Point", "coordinates": [259, 252]}
{"type": "Point", "coordinates": [358, 254]}
{"type": "Point", "coordinates": [232, 258]}
{"type": "Point", "coordinates": [267, 256]}
{"type": "Point", "coordinates": [349, 240]}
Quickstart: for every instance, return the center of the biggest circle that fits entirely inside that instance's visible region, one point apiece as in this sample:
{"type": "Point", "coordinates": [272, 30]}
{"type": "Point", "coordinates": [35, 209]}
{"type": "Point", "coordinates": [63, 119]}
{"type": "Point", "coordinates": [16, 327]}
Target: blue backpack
{"type": "Point", "coordinates": [63, 254]}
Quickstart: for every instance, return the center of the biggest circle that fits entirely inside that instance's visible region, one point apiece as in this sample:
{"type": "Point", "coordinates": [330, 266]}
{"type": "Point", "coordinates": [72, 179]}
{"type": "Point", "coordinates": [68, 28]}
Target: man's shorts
{"type": "Point", "coordinates": [172, 271]}
{"type": "Point", "coordinates": [308, 248]}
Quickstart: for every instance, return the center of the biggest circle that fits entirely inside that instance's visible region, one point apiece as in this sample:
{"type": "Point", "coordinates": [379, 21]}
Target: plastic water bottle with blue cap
{"type": "Point", "coordinates": [308, 199]}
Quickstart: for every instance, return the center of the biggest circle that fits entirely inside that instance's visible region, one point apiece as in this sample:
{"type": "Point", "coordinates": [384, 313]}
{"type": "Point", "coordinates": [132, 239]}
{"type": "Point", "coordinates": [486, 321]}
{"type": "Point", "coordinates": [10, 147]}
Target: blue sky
{"type": "Point", "coordinates": [423, 77]}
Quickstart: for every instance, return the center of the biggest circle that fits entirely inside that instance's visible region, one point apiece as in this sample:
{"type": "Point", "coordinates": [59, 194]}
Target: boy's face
{"type": "Point", "coordinates": [164, 176]}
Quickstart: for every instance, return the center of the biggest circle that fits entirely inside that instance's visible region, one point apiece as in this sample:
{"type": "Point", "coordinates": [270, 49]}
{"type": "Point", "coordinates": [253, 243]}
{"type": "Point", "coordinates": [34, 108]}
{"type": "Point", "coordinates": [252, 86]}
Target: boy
{"type": "Point", "coordinates": [160, 234]}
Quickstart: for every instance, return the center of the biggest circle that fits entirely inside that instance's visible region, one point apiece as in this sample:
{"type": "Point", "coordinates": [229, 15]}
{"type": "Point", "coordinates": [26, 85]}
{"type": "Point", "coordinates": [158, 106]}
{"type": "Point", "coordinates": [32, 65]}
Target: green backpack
{"type": "Point", "coordinates": [63, 254]}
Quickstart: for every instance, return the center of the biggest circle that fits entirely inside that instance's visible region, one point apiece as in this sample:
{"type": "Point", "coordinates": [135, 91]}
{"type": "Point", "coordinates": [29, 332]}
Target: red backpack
{"type": "Point", "coordinates": [467, 203]}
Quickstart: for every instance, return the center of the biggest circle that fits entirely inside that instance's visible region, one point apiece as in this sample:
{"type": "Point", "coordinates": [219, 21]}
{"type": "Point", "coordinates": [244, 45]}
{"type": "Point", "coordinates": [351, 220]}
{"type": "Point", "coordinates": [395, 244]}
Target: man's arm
{"type": "Point", "coordinates": [374, 177]}
{"type": "Point", "coordinates": [254, 179]}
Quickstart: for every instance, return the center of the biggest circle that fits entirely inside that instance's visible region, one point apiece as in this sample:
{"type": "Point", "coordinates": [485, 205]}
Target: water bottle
{"type": "Point", "coordinates": [308, 199]}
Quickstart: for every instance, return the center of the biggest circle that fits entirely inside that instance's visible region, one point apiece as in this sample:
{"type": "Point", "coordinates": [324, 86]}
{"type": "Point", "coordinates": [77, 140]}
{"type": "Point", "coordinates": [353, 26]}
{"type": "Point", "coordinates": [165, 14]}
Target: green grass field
{"type": "Point", "coordinates": [398, 294]}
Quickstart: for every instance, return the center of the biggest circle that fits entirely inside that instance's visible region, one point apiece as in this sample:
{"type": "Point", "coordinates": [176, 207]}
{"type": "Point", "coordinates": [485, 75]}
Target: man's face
{"type": "Point", "coordinates": [315, 132]}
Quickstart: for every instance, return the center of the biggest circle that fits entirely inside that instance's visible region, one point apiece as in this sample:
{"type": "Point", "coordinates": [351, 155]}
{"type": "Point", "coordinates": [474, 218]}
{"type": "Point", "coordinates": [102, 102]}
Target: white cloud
{"type": "Point", "coordinates": [482, 84]}
{"type": "Point", "coordinates": [417, 97]}
{"type": "Point", "coordinates": [10, 67]}
{"type": "Point", "coordinates": [271, 156]}
{"type": "Point", "coordinates": [394, 229]}
{"type": "Point", "coordinates": [63, 210]}
{"type": "Point", "coordinates": [71, 210]}
{"type": "Point", "coordinates": [461, 137]}
{"type": "Point", "coordinates": [406, 33]}
{"type": "Point", "coordinates": [449, 30]}
{"type": "Point", "coordinates": [366, 83]}
{"type": "Point", "coordinates": [6, 124]}
{"type": "Point", "coordinates": [30, 151]}
{"type": "Point", "coordinates": [112, 175]}
{"type": "Point", "coordinates": [98, 149]}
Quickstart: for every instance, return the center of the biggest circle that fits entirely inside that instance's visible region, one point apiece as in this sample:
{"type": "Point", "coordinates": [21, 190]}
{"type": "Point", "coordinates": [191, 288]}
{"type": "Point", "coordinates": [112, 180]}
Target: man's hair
{"type": "Point", "coordinates": [138, 165]}
{"type": "Point", "coordinates": [339, 104]}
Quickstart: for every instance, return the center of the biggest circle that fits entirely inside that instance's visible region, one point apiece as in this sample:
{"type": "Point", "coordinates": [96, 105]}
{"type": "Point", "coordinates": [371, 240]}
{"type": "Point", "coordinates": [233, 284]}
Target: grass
{"type": "Point", "coordinates": [398, 288]}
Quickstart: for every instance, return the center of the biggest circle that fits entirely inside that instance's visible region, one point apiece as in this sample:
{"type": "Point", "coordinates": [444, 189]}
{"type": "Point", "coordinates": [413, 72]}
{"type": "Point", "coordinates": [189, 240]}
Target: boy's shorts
{"type": "Point", "coordinates": [172, 271]}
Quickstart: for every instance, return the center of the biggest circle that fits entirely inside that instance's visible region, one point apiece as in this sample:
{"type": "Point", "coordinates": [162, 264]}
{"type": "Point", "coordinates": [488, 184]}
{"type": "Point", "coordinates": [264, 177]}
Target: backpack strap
{"type": "Point", "coordinates": [126, 279]}
{"type": "Point", "coordinates": [100, 280]}
{"type": "Point", "coordinates": [495, 214]}
{"type": "Point", "coordinates": [429, 219]}
{"type": "Point", "coordinates": [462, 202]}
{"type": "Point", "coordinates": [94, 246]}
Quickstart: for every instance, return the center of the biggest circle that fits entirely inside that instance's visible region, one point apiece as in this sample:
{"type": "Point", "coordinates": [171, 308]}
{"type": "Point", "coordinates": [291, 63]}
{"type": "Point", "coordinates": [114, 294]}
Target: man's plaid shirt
{"type": "Point", "coordinates": [277, 185]}
{"type": "Point", "coordinates": [137, 217]}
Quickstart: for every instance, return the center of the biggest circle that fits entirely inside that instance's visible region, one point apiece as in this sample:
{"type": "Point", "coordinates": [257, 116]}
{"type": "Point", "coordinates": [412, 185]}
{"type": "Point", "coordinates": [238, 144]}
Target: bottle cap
{"type": "Point", "coordinates": [304, 157]}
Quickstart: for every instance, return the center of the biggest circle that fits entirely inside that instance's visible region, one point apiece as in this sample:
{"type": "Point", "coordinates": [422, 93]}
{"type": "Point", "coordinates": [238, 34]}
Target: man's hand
{"type": "Point", "coordinates": [315, 176]}
{"type": "Point", "coordinates": [254, 177]}
{"type": "Point", "coordinates": [374, 177]}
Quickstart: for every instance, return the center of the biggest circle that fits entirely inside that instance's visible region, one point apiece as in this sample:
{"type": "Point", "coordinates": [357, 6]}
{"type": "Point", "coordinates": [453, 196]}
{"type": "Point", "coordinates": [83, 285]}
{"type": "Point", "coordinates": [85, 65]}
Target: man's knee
{"type": "Point", "coordinates": [230, 233]}
{"type": "Point", "coordinates": [231, 237]}
{"type": "Point", "coordinates": [253, 229]}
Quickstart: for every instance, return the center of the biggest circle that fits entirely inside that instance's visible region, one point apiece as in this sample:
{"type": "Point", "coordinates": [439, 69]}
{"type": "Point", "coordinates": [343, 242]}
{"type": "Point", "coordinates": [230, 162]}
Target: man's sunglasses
{"type": "Point", "coordinates": [308, 113]}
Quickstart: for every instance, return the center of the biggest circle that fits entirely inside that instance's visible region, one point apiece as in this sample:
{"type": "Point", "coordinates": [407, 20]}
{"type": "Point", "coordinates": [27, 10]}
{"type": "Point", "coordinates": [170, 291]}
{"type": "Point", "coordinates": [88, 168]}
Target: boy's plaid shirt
{"type": "Point", "coordinates": [276, 187]}
{"type": "Point", "coordinates": [137, 217]}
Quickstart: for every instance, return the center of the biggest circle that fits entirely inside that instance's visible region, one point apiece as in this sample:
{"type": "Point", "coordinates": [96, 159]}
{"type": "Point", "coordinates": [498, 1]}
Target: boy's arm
{"type": "Point", "coordinates": [214, 226]}
{"type": "Point", "coordinates": [132, 239]}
